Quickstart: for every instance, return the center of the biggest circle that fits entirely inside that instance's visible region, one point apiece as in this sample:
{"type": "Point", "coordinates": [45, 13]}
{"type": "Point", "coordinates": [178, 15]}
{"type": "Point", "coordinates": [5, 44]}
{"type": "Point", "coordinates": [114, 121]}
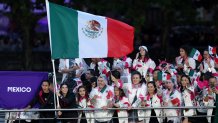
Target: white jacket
{"type": "Point", "coordinates": [186, 69]}
{"type": "Point", "coordinates": [155, 102]}
{"type": "Point", "coordinates": [206, 67]}
{"type": "Point", "coordinates": [125, 66]}
{"type": "Point", "coordinates": [89, 114]}
{"type": "Point", "coordinates": [123, 103]}
{"type": "Point", "coordinates": [143, 67]}
{"type": "Point", "coordinates": [131, 92]}
{"type": "Point", "coordinates": [210, 102]}
{"type": "Point", "coordinates": [188, 98]}
{"type": "Point", "coordinates": [172, 99]}
{"type": "Point", "coordinates": [103, 99]}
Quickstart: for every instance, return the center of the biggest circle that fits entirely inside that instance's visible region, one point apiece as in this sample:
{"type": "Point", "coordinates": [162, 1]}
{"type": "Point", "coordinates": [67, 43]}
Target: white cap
{"type": "Point", "coordinates": [144, 47]}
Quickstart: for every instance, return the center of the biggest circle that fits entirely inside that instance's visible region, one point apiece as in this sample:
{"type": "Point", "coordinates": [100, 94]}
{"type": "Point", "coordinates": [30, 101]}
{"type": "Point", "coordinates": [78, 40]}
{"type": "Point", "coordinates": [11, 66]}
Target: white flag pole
{"type": "Point", "coordinates": [53, 65]}
{"type": "Point", "coordinates": [55, 101]}
{"type": "Point", "coordinates": [55, 83]}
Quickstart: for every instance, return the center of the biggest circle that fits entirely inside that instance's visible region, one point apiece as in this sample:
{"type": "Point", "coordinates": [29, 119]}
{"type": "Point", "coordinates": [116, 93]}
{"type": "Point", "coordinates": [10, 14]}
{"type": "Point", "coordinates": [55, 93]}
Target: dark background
{"type": "Point", "coordinates": [161, 25]}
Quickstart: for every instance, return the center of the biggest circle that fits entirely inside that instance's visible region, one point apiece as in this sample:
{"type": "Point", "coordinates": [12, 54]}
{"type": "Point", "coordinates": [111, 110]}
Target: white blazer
{"type": "Point", "coordinates": [89, 114]}
{"type": "Point", "coordinates": [188, 98]}
{"type": "Point", "coordinates": [123, 103]}
{"type": "Point", "coordinates": [143, 67]}
{"type": "Point", "coordinates": [131, 92]}
{"type": "Point", "coordinates": [155, 102]}
{"type": "Point", "coordinates": [103, 99]}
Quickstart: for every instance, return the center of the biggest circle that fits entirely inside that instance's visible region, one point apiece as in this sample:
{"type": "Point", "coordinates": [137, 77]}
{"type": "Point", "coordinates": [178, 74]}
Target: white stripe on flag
{"type": "Point", "coordinates": [94, 47]}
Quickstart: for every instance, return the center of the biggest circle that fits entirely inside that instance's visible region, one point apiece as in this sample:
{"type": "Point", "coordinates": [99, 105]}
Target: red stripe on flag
{"type": "Point", "coordinates": [120, 38]}
{"type": "Point", "coordinates": [216, 59]}
{"type": "Point", "coordinates": [214, 50]}
{"type": "Point", "coordinates": [199, 57]}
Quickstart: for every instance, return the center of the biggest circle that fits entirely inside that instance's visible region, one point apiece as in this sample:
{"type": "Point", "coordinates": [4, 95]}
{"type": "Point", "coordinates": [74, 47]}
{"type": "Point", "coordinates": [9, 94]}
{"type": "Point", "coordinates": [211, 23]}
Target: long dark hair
{"type": "Point", "coordinates": [208, 53]}
{"type": "Point", "coordinates": [67, 87]}
{"type": "Point", "coordinates": [146, 55]}
{"type": "Point", "coordinates": [155, 87]}
{"type": "Point", "coordinates": [122, 94]}
{"type": "Point", "coordinates": [86, 93]}
{"type": "Point", "coordinates": [186, 48]}
{"type": "Point", "coordinates": [186, 76]}
{"type": "Point", "coordinates": [116, 74]}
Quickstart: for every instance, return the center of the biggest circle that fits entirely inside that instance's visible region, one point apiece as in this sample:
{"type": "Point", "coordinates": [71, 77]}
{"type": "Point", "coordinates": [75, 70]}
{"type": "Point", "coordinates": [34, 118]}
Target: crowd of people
{"type": "Point", "coordinates": [140, 86]}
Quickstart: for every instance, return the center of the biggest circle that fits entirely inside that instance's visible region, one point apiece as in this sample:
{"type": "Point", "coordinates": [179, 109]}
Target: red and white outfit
{"type": "Point", "coordinates": [172, 99]}
{"type": "Point", "coordinates": [144, 66]}
{"type": "Point", "coordinates": [188, 98]}
{"type": "Point", "coordinates": [186, 69]}
{"type": "Point", "coordinates": [210, 102]}
{"type": "Point", "coordinates": [104, 97]}
{"type": "Point", "coordinates": [206, 67]}
{"type": "Point", "coordinates": [125, 64]}
{"type": "Point", "coordinates": [123, 102]}
{"type": "Point", "coordinates": [133, 91]}
{"type": "Point", "coordinates": [154, 101]}
{"type": "Point", "coordinates": [84, 103]}
{"type": "Point", "coordinates": [103, 66]}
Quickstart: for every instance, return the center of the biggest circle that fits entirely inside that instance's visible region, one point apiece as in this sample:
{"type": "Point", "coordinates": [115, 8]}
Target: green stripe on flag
{"type": "Point", "coordinates": [159, 75]}
{"type": "Point", "coordinates": [64, 32]}
{"type": "Point", "coordinates": [192, 52]}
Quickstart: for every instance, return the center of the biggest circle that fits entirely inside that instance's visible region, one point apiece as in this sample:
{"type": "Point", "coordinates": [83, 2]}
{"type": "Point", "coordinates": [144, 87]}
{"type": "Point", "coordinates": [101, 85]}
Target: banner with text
{"type": "Point", "coordinates": [17, 89]}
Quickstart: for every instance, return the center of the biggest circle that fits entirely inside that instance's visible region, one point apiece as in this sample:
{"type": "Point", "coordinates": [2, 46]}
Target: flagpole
{"type": "Point", "coordinates": [53, 65]}
{"type": "Point", "coordinates": [55, 83]}
{"type": "Point", "coordinates": [55, 101]}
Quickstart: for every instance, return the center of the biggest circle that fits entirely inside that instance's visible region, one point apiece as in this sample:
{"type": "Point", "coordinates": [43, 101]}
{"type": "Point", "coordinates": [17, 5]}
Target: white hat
{"type": "Point", "coordinates": [144, 47]}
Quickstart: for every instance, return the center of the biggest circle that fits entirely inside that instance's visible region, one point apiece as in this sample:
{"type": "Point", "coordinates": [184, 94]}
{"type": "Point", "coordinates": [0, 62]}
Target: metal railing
{"type": "Point", "coordinates": [99, 109]}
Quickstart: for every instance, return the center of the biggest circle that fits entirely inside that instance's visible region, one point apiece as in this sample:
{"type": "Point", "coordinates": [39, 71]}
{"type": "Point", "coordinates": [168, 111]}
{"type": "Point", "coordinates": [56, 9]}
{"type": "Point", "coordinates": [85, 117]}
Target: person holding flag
{"type": "Point", "coordinates": [67, 100]}
{"type": "Point", "coordinates": [136, 93]}
{"type": "Point", "coordinates": [91, 36]}
{"type": "Point", "coordinates": [184, 62]}
{"type": "Point", "coordinates": [171, 98]}
{"type": "Point", "coordinates": [101, 97]}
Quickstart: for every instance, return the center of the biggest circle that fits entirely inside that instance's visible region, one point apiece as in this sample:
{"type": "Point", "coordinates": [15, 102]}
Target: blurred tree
{"type": "Point", "coordinates": [24, 20]}
{"type": "Point", "coordinates": [133, 12]}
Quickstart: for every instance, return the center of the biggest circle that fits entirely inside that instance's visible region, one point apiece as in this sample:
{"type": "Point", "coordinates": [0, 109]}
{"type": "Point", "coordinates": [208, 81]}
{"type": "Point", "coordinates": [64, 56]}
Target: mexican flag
{"type": "Point", "coordinates": [193, 74]}
{"type": "Point", "coordinates": [76, 34]}
{"type": "Point", "coordinates": [212, 50]}
{"type": "Point", "coordinates": [195, 54]}
{"type": "Point", "coordinates": [174, 99]}
{"type": "Point", "coordinates": [163, 76]}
